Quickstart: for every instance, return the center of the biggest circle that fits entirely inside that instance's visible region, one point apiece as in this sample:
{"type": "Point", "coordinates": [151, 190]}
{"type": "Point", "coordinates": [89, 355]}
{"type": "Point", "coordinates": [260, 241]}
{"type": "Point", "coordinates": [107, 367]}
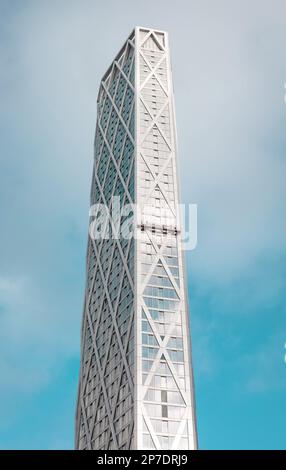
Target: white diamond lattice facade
{"type": "Point", "coordinates": [136, 386]}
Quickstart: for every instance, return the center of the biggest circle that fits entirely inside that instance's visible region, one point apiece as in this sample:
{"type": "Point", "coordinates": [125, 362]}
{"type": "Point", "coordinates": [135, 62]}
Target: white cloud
{"type": "Point", "coordinates": [232, 143]}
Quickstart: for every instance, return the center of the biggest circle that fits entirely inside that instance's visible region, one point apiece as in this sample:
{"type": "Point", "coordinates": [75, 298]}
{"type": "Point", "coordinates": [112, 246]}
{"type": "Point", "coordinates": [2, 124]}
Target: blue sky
{"type": "Point", "coordinates": [229, 72]}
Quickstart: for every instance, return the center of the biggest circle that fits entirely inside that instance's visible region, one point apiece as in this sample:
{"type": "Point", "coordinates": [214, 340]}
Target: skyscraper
{"type": "Point", "coordinates": [136, 385]}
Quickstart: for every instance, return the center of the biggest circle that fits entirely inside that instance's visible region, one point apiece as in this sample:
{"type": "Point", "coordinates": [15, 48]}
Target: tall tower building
{"type": "Point", "coordinates": [136, 385]}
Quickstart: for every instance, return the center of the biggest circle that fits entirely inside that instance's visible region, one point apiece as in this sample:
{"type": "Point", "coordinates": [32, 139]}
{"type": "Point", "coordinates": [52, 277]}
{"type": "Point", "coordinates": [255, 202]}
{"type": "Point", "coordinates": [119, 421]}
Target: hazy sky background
{"type": "Point", "coordinates": [229, 67]}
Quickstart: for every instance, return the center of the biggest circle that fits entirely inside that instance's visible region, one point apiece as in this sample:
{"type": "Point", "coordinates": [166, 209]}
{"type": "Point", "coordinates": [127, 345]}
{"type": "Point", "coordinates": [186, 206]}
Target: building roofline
{"type": "Point", "coordinates": [117, 55]}
{"type": "Point", "coordinates": [123, 46]}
